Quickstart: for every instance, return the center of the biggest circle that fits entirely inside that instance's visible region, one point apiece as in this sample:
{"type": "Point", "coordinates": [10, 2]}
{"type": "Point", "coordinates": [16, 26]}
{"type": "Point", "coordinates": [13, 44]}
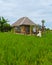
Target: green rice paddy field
{"type": "Point", "coordinates": [16, 49]}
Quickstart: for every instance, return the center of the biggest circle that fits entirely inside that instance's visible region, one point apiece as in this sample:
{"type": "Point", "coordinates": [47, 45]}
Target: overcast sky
{"type": "Point", "coordinates": [36, 10]}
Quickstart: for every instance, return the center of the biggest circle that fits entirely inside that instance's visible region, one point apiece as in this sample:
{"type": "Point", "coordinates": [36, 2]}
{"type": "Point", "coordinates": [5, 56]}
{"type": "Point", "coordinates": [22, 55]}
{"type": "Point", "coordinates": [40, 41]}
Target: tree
{"type": "Point", "coordinates": [43, 21]}
{"type": "Point", "coordinates": [7, 27]}
{"type": "Point", "coordinates": [4, 24]}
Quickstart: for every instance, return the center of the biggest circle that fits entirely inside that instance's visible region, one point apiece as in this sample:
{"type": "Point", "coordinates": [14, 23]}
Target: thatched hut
{"type": "Point", "coordinates": [23, 25]}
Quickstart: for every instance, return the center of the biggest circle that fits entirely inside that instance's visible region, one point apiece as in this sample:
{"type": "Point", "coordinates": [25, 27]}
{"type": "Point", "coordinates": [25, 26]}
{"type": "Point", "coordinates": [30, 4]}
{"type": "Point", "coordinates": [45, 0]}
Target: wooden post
{"type": "Point", "coordinates": [23, 29]}
{"type": "Point", "coordinates": [14, 29]}
{"type": "Point", "coordinates": [36, 29]}
{"type": "Point", "coordinates": [30, 30]}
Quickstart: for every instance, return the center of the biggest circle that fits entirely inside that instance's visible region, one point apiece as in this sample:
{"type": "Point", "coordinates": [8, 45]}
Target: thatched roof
{"type": "Point", "coordinates": [23, 21]}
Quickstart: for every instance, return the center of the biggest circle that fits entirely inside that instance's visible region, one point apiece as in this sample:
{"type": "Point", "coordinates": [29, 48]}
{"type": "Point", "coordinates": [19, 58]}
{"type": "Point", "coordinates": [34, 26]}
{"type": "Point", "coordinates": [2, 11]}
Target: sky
{"type": "Point", "coordinates": [36, 10]}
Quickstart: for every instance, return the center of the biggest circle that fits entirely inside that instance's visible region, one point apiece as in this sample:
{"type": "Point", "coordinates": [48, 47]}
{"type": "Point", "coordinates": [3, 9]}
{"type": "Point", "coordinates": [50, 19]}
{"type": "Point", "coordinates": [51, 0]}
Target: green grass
{"type": "Point", "coordinates": [18, 49]}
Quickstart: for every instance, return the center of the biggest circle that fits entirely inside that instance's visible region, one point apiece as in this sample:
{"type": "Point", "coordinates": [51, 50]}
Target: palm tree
{"type": "Point", "coordinates": [43, 21]}
{"type": "Point", "coordinates": [2, 22]}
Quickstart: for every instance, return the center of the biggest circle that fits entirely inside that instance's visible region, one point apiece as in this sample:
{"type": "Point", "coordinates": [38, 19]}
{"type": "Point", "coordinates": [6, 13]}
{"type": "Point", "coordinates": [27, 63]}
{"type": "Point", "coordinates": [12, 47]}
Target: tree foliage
{"type": "Point", "coordinates": [4, 26]}
{"type": "Point", "coordinates": [43, 21]}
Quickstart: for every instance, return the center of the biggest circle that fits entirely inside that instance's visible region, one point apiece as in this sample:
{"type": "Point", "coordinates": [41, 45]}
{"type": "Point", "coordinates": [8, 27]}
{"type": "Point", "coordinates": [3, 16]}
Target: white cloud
{"type": "Point", "coordinates": [34, 9]}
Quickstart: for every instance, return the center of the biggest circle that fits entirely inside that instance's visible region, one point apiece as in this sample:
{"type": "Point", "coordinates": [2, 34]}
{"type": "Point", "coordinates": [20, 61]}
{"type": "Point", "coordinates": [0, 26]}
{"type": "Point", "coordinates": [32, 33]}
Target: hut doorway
{"type": "Point", "coordinates": [27, 29]}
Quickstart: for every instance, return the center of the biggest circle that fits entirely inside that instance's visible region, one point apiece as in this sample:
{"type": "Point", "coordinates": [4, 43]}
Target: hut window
{"type": "Point", "coordinates": [17, 29]}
